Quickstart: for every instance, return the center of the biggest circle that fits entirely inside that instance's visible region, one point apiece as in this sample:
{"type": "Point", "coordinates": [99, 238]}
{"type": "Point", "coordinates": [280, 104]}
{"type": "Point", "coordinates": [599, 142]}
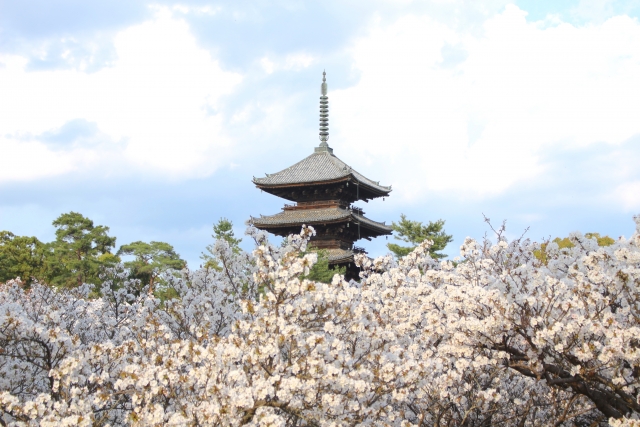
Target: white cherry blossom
{"type": "Point", "coordinates": [497, 338]}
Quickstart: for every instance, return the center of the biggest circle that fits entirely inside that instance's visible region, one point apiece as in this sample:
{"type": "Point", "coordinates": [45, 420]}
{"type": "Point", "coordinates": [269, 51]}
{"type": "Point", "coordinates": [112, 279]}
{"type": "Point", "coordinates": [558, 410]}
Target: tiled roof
{"type": "Point", "coordinates": [311, 216]}
{"type": "Point", "coordinates": [339, 255]}
{"type": "Point", "coordinates": [303, 216]}
{"type": "Point", "coordinates": [319, 166]}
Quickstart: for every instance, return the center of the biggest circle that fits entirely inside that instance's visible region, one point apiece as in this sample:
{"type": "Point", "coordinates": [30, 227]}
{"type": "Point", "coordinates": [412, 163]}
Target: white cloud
{"type": "Point", "coordinates": [31, 160]}
{"type": "Point", "coordinates": [628, 194]}
{"type": "Point", "coordinates": [477, 125]}
{"type": "Point", "coordinates": [298, 61]}
{"type": "Point", "coordinates": [160, 97]}
{"type": "Point", "coordinates": [291, 62]}
{"type": "Point", "coordinates": [185, 9]}
{"type": "Point", "coordinates": [267, 65]}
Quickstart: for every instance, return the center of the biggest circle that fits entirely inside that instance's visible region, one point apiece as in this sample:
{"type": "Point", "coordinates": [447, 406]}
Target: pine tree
{"type": "Point", "coordinates": [223, 230]}
{"type": "Point", "coordinates": [414, 232]}
{"type": "Point", "coordinates": [151, 260]}
{"type": "Point", "coordinates": [80, 252]}
{"type": "Point", "coordinates": [21, 256]}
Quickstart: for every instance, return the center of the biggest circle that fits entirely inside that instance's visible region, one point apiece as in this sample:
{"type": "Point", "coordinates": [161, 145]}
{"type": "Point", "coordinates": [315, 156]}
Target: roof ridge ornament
{"type": "Point", "coordinates": [324, 118]}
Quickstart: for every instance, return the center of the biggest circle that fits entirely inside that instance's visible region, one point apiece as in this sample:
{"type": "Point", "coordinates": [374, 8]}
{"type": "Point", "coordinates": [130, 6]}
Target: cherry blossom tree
{"type": "Point", "coordinates": [498, 338]}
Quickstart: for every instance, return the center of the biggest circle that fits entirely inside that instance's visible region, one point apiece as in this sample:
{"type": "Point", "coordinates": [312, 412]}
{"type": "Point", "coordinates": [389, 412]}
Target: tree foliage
{"type": "Point", "coordinates": [567, 243]}
{"type": "Point", "coordinates": [501, 339]}
{"type": "Point", "coordinates": [151, 261]}
{"type": "Point", "coordinates": [21, 256]}
{"type": "Point", "coordinates": [222, 230]}
{"type": "Point", "coordinates": [321, 271]}
{"type": "Point", "coordinates": [414, 232]}
{"type": "Point", "coordinates": [79, 252]}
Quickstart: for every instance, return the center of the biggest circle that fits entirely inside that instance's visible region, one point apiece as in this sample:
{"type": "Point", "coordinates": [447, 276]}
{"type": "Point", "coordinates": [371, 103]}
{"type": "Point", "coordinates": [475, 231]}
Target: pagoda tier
{"type": "Point", "coordinates": [321, 176]}
{"type": "Point", "coordinates": [337, 225]}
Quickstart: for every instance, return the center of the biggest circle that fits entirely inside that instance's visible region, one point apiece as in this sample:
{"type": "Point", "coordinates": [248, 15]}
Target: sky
{"type": "Point", "coordinates": [152, 117]}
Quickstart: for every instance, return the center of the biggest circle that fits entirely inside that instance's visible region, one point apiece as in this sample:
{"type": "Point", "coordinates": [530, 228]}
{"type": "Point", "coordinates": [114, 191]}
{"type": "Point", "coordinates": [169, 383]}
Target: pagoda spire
{"type": "Point", "coordinates": [324, 116]}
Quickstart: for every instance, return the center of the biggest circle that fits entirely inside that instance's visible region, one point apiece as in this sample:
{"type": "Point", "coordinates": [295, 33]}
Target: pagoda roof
{"type": "Point", "coordinates": [323, 215]}
{"type": "Point", "coordinates": [339, 255]}
{"type": "Point", "coordinates": [321, 166]}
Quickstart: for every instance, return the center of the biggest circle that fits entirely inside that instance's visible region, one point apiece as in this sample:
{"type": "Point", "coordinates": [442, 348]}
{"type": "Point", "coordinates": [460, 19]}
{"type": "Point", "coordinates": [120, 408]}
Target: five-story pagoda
{"type": "Point", "coordinates": [324, 188]}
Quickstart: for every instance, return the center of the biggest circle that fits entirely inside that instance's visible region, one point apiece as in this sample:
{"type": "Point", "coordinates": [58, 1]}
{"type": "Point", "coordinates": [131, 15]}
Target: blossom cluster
{"type": "Point", "coordinates": [497, 337]}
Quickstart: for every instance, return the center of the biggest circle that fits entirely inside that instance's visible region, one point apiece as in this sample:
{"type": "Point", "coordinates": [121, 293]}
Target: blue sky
{"type": "Point", "coordinates": [152, 117]}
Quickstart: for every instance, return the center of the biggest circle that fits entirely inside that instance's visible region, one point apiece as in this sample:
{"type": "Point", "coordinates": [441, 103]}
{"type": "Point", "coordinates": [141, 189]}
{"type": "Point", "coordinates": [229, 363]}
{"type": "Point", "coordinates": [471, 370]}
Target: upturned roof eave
{"type": "Point", "coordinates": [256, 222]}
{"type": "Point", "coordinates": [348, 258]}
{"type": "Point", "coordinates": [381, 229]}
{"type": "Point", "coordinates": [383, 190]}
{"type": "Point", "coordinates": [379, 189]}
{"type": "Point", "coordinates": [298, 184]}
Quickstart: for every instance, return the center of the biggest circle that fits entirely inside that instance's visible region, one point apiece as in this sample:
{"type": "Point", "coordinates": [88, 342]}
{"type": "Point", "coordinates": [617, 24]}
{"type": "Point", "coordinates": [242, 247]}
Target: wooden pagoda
{"type": "Point", "coordinates": [323, 188]}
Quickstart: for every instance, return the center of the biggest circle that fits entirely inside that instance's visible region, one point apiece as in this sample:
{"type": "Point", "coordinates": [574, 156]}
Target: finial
{"type": "Point", "coordinates": [324, 116]}
{"type": "Point", "coordinates": [323, 86]}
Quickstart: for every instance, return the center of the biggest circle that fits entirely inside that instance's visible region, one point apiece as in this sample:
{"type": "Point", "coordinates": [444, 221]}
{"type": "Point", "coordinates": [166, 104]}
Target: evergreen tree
{"type": "Point", "coordinates": [321, 271]}
{"type": "Point", "coordinates": [21, 256]}
{"type": "Point", "coordinates": [151, 260]}
{"type": "Point", "coordinates": [414, 232]}
{"type": "Point", "coordinates": [79, 253]}
{"type": "Point", "coordinates": [223, 230]}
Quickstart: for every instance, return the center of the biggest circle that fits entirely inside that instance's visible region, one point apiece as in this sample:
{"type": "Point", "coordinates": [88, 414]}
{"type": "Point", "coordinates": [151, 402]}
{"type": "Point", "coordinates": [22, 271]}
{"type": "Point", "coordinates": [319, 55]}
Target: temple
{"type": "Point", "coordinates": [323, 188]}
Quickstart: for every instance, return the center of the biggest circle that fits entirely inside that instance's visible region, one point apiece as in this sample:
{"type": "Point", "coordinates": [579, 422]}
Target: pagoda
{"type": "Point", "coordinates": [323, 188]}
